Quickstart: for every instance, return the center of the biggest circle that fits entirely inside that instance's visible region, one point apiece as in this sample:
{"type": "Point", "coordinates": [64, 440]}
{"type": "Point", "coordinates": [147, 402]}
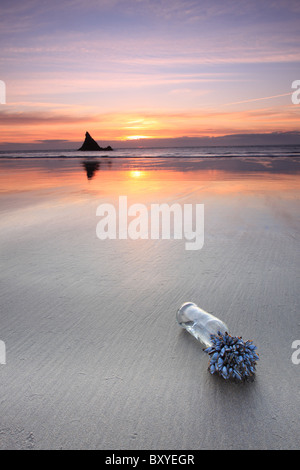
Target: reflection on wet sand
{"type": "Point", "coordinates": [90, 167]}
{"type": "Point", "coordinates": [148, 176]}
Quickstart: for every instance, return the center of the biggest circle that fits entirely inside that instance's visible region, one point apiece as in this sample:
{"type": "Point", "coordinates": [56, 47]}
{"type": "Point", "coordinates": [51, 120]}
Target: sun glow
{"type": "Point", "coordinates": [136, 174]}
{"type": "Point", "coordinates": [137, 137]}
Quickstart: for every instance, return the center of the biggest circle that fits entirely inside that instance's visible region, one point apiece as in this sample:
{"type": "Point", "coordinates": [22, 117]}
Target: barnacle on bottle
{"type": "Point", "coordinates": [231, 357]}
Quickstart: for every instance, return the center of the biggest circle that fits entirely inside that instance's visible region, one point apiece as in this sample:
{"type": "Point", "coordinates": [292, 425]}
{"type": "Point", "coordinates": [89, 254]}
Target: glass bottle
{"type": "Point", "coordinates": [200, 323]}
{"type": "Point", "coordinates": [230, 356]}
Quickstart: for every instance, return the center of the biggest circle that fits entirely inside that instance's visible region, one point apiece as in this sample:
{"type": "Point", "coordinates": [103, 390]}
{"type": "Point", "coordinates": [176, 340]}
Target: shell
{"type": "Point", "coordinates": [231, 357]}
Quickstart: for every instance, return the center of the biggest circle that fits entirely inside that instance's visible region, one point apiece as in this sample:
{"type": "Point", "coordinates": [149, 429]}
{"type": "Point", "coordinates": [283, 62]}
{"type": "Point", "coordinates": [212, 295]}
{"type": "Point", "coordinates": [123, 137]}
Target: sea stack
{"type": "Point", "coordinates": [91, 145]}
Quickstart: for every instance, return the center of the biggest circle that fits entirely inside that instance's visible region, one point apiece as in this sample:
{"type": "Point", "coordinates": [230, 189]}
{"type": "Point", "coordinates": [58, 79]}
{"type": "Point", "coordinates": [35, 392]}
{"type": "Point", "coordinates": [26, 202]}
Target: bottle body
{"type": "Point", "coordinates": [200, 323]}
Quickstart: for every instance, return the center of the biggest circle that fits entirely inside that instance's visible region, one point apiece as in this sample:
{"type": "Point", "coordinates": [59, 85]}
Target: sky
{"type": "Point", "coordinates": [133, 70]}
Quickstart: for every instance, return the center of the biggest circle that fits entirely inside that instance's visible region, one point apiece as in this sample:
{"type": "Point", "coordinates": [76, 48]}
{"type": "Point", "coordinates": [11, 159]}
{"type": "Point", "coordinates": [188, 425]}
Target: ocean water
{"type": "Point", "coordinates": [224, 161]}
{"type": "Point", "coordinates": [166, 152]}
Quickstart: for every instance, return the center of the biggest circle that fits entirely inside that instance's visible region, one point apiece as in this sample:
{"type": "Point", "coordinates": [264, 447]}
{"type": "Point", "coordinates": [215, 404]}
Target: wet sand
{"type": "Point", "coordinates": [94, 356]}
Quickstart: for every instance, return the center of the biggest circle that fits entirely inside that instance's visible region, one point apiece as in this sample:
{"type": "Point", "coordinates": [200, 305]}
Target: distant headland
{"type": "Point", "coordinates": [90, 144]}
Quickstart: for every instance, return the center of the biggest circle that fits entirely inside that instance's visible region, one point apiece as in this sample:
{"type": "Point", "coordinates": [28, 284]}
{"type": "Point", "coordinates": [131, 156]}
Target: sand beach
{"type": "Point", "coordinates": [94, 356]}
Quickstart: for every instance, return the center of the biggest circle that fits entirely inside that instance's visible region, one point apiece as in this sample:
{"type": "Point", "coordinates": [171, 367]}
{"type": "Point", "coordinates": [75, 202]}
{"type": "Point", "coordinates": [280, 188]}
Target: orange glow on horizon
{"type": "Point", "coordinates": [31, 125]}
{"type": "Point", "coordinates": [138, 137]}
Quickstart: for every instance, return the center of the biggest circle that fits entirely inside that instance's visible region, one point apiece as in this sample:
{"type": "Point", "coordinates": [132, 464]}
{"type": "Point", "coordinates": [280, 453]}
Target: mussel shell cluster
{"type": "Point", "coordinates": [231, 357]}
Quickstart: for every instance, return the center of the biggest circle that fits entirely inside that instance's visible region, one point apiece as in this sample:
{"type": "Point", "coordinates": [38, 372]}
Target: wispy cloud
{"type": "Point", "coordinates": [172, 64]}
{"type": "Point", "coordinates": [9, 118]}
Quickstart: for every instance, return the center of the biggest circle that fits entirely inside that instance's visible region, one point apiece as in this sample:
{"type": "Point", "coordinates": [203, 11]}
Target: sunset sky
{"type": "Point", "coordinates": [126, 69]}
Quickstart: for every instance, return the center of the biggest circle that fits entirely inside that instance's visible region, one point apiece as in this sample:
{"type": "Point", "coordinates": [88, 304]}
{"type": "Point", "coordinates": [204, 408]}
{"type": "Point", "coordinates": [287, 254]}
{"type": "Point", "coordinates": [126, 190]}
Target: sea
{"type": "Point", "coordinates": [268, 151]}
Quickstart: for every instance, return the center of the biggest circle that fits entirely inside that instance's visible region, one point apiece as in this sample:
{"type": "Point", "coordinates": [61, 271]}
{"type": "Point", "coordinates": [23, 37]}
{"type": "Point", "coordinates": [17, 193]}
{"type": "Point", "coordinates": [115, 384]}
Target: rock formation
{"type": "Point", "coordinates": [90, 144]}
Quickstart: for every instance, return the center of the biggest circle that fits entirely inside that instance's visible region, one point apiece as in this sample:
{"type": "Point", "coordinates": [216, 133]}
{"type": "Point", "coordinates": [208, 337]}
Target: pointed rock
{"type": "Point", "coordinates": [90, 144]}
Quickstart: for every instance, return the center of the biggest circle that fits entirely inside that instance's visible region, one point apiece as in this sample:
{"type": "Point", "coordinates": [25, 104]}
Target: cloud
{"type": "Point", "coordinates": [107, 31]}
{"type": "Point", "coordinates": [101, 61]}
{"type": "Point", "coordinates": [100, 49]}
{"type": "Point", "coordinates": [52, 141]}
{"type": "Point", "coordinates": [38, 118]}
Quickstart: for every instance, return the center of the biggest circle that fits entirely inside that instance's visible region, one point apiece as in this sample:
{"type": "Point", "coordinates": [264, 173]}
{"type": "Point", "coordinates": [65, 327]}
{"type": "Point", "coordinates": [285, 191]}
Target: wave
{"type": "Point", "coordinates": [167, 152]}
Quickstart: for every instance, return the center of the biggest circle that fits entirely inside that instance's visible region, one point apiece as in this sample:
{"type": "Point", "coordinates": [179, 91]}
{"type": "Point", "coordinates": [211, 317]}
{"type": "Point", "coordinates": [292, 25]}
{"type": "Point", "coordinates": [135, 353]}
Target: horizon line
{"type": "Point", "coordinates": [161, 142]}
